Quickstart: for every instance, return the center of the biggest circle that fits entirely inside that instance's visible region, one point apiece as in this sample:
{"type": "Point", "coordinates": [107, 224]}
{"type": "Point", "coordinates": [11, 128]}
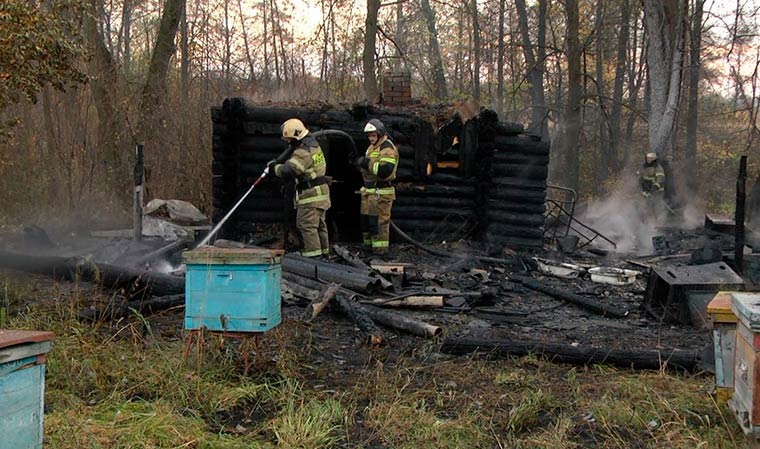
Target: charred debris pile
{"type": "Point", "coordinates": [459, 176]}
{"type": "Point", "coordinates": [476, 178]}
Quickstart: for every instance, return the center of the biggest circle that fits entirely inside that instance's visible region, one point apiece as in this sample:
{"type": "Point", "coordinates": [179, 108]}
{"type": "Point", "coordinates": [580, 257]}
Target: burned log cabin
{"type": "Point", "coordinates": [481, 179]}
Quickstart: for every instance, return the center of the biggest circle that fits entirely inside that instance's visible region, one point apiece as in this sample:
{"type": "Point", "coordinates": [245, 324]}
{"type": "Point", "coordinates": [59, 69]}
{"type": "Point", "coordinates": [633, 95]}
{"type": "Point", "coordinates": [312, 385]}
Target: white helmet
{"type": "Point", "coordinates": [375, 126]}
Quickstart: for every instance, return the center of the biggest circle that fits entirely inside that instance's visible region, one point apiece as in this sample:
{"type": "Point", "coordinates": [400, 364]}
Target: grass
{"type": "Point", "coordinates": [129, 386]}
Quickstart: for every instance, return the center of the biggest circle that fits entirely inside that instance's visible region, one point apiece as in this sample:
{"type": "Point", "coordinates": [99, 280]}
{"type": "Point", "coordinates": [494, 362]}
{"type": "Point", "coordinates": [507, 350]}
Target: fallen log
{"type": "Point", "coordinates": [625, 358]}
{"type": "Point", "coordinates": [317, 305]}
{"type": "Point", "coordinates": [413, 302]}
{"type": "Point", "coordinates": [402, 322]}
{"type": "Point", "coordinates": [358, 315]}
{"type": "Point", "coordinates": [578, 300]}
{"type": "Point", "coordinates": [134, 283]}
{"type": "Point", "coordinates": [121, 309]}
{"type": "Point", "coordinates": [299, 290]}
{"type": "Point", "coordinates": [350, 258]}
{"type": "Point", "coordinates": [346, 304]}
{"type": "Point", "coordinates": [350, 277]}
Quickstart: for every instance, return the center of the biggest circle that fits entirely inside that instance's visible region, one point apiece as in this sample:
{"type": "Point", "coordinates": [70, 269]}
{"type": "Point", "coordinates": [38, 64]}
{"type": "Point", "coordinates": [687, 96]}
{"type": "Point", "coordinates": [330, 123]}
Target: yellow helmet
{"type": "Point", "coordinates": [650, 157]}
{"type": "Point", "coordinates": [293, 129]}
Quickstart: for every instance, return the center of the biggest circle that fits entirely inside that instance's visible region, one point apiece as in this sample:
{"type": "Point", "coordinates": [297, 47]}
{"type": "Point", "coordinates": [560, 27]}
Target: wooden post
{"type": "Point", "coordinates": [138, 197]}
{"type": "Point", "coordinates": [741, 194]}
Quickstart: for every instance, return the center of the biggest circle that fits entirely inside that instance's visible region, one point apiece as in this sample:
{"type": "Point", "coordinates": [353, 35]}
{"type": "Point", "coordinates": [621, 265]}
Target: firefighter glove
{"type": "Point", "coordinates": [271, 165]}
{"type": "Point", "coordinates": [362, 162]}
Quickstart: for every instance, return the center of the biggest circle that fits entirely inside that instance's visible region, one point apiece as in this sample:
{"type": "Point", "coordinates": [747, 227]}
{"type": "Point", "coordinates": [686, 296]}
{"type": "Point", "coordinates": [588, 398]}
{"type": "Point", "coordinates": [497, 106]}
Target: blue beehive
{"type": "Point", "coordinates": [22, 387]}
{"type": "Point", "coordinates": [233, 289]}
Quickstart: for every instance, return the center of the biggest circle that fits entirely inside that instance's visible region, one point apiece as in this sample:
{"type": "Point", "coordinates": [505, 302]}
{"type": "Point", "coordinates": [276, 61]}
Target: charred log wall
{"type": "Point", "coordinates": [496, 192]}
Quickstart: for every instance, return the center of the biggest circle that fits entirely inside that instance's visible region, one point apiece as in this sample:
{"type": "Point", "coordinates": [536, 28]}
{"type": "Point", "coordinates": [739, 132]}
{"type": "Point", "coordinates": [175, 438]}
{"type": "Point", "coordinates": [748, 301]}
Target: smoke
{"type": "Point", "coordinates": [629, 220]}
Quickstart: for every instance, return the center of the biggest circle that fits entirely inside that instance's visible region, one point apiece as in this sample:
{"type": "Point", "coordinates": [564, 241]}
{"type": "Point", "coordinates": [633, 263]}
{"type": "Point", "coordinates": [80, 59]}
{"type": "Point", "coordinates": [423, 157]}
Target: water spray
{"type": "Point", "coordinates": [232, 210]}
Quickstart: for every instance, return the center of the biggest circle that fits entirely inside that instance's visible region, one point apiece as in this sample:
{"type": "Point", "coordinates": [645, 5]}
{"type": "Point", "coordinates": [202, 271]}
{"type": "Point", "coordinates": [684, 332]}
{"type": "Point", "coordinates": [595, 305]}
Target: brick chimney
{"type": "Point", "coordinates": [397, 88]}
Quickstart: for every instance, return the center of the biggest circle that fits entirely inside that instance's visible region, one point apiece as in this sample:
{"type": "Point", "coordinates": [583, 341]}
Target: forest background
{"type": "Point", "coordinates": [82, 81]}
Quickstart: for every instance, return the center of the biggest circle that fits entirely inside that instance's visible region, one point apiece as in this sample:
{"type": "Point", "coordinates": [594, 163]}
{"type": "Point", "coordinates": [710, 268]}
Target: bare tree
{"type": "Point", "coordinates": [536, 62]}
{"type": "Point", "coordinates": [368, 58]}
{"type": "Point", "coordinates": [665, 27]}
{"type": "Point", "coordinates": [439, 78]}
{"type": "Point", "coordinates": [692, 116]}
{"type": "Point", "coordinates": [617, 89]}
{"type": "Point", "coordinates": [500, 62]}
{"type": "Point", "coordinates": [571, 125]}
{"type": "Point", "coordinates": [155, 83]}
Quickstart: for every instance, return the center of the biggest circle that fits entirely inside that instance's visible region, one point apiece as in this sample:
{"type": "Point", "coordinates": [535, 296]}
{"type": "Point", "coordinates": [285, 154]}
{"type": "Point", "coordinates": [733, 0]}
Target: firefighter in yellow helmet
{"type": "Point", "coordinates": [307, 167]}
{"type": "Point", "coordinates": [378, 168]}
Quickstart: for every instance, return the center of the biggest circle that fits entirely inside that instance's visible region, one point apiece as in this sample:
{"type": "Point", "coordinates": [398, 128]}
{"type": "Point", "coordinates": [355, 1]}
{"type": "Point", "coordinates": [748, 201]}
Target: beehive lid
{"type": "Point", "coordinates": [19, 345]}
{"type": "Point", "coordinates": [719, 308]}
{"type": "Point", "coordinates": [746, 307]}
{"type": "Point", "coordinates": [10, 338]}
{"type": "Point", "coordinates": [233, 256]}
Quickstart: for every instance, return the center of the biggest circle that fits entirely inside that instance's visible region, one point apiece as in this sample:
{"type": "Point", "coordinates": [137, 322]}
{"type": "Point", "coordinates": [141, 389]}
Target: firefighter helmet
{"type": "Point", "coordinates": [375, 126]}
{"type": "Point", "coordinates": [651, 157]}
{"type": "Point", "coordinates": [293, 129]}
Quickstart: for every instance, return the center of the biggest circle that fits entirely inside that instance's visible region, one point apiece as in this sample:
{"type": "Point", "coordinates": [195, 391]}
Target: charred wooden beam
{"type": "Point", "coordinates": [350, 277]}
{"type": "Point", "coordinates": [350, 258]}
{"type": "Point", "coordinates": [355, 313]}
{"type": "Point", "coordinates": [318, 304]}
{"type": "Point", "coordinates": [121, 309]}
{"type": "Point", "coordinates": [741, 196]}
{"type": "Point", "coordinates": [402, 322]}
{"type": "Point", "coordinates": [688, 360]}
{"type": "Point", "coordinates": [135, 283]}
{"type": "Point", "coordinates": [578, 300]}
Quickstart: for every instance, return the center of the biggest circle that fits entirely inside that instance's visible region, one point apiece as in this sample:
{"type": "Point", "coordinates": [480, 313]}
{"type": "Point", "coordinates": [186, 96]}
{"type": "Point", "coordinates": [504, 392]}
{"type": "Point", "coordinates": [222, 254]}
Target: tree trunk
{"type": "Point", "coordinates": [617, 90]}
{"type": "Point", "coordinates": [605, 159]}
{"type": "Point", "coordinates": [693, 114]}
{"type": "Point", "coordinates": [538, 121]}
{"type": "Point", "coordinates": [126, 26]}
{"type": "Point", "coordinates": [184, 69]}
{"type": "Point", "coordinates": [368, 57]}
{"type": "Point", "coordinates": [265, 40]}
{"type": "Point", "coordinates": [571, 127]}
{"type": "Point", "coordinates": [104, 83]}
{"type": "Point", "coordinates": [227, 48]}
{"type": "Point", "coordinates": [500, 63]}
{"type": "Point", "coordinates": [476, 49]}
{"type": "Point", "coordinates": [665, 28]}
{"type": "Point", "coordinates": [439, 79]}
{"type": "Point", "coordinates": [155, 83]}
{"type": "Point", "coordinates": [400, 37]}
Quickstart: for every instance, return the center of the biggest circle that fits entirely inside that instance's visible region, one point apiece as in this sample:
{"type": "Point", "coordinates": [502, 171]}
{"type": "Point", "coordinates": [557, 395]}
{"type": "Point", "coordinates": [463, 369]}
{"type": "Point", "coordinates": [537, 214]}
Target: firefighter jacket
{"type": "Point", "coordinates": [381, 170]}
{"type": "Point", "coordinates": [309, 165]}
{"type": "Point", "coordinates": [652, 178]}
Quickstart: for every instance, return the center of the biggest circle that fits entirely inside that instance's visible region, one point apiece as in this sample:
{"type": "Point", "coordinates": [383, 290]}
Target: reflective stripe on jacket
{"type": "Point", "coordinates": [383, 152]}
{"type": "Point", "coordinates": [308, 162]}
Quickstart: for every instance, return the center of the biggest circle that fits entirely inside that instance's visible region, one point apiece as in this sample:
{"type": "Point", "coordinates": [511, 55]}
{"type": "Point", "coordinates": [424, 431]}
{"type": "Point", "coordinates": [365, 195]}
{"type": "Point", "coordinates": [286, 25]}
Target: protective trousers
{"type": "Point", "coordinates": [311, 224]}
{"type": "Point", "coordinates": [375, 221]}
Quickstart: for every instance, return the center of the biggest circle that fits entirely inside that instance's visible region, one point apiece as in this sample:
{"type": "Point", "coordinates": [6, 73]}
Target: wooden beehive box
{"type": "Point", "coordinates": [723, 323]}
{"type": "Point", "coordinates": [233, 289]}
{"type": "Point", "coordinates": [745, 401]}
{"type": "Point", "coordinates": [22, 387]}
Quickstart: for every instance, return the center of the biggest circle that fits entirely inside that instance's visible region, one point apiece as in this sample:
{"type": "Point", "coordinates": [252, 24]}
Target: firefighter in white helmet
{"type": "Point", "coordinates": [652, 184]}
{"type": "Point", "coordinates": [307, 167]}
{"type": "Point", "coordinates": [651, 176]}
{"type": "Point", "coordinates": [378, 168]}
